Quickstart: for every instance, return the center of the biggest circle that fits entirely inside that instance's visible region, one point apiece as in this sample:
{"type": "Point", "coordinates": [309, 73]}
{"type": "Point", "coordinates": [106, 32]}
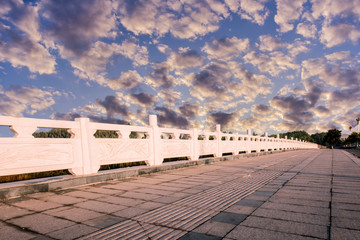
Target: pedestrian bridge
{"type": "Point", "coordinates": [303, 194]}
{"type": "Point", "coordinates": [83, 154]}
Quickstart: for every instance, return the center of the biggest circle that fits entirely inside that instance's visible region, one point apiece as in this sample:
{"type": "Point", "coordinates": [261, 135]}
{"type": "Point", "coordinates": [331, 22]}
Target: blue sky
{"type": "Point", "coordinates": [272, 66]}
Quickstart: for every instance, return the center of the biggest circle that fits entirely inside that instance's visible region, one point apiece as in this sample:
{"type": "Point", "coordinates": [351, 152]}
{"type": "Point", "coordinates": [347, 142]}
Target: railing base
{"type": "Point", "coordinates": [22, 188]}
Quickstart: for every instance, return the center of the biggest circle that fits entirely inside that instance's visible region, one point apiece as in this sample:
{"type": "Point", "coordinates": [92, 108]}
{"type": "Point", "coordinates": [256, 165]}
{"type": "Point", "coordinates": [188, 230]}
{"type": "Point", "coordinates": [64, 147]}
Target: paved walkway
{"type": "Point", "coordinates": [312, 194]}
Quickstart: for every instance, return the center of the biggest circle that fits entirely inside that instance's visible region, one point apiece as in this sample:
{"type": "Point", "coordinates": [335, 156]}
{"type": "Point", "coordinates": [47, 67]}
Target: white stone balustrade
{"type": "Point", "coordinates": [83, 154]}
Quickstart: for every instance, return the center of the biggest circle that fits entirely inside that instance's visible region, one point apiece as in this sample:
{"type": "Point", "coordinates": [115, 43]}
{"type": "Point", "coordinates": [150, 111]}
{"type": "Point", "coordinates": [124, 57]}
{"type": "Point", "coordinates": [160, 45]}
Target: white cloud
{"type": "Point", "coordinates": [332, 8]}
{"type": "Point", "coordinates": [26, 18]}
{"type": "Point", "coordinates": [142, 18]}
{"type": "Point", "coordinates": [273, 63]}
{"type": "Point", "coordinates": [20, 51]}
{"type": "Point", "coordinates": [339, 34]}
{"type": "Point", "coordinates": [140, 99]}
{"type": "Point", "coordinates": [288, 11]}
{"type": "Point", "coordinates": [227, 48]}
{"type": "Point", "coordinates": [343, 56]}
{"type": "Point", "coordinates": [233, 5]}
{"type": "Point", "coordinates": [262, 109]}
{"type": "Point", "coordinates": [185, 59]}
{"type": "Point", "coordinates": [17, 100]}
{"type": "Point", "coordinates": [306, 29]}
{"type": "Point", "coordinates": [169, 97]}
{"type": "Point", "coordinates": [161, 77]}
{"type": "Point", "coordinates": [188, 20]}
{"type": "Point", "coordinates": [138, 54]}
{"type": "Point", "coordinates": [20, 41]}
{"type": "Point", "coordinates": [297, 47]}
{"type": "Point", "coordinates": [252, 84]}
{"type": "Point", "coordinates": [218, 7]}
{"type": "Point", "coordinates": [341, 101]}
{"type": "Point", "coordinates": [75, 25]}
{"type": "Point", "coordinates": [92, 63]}
{"type": "Point", "coordinates": [163, 48]}
{"type": "Point", "coordinates": [253, 10]}
{"type": "Point", "coordinates": [228, 120]}
{"type": "Point", "coordinates": [227, 84]}
{"type": "Point", "coordinates": [269, 43]}
{"type": "Point", "coordinates": [127, 80]}
{"type": "Point", "coordinates": [330, 88]}
{"type": "Point", "coordinates": [334, 14]}
{"type": "Point", "coordinates": [335, 70]}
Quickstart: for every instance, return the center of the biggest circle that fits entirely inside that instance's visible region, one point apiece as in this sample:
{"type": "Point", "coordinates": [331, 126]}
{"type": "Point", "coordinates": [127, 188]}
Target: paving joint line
{"type": "Point", "coordinates": [204, 215]}
{"type": "Point", "coordinates": [260, 179]}
{"type": "Point", "coordinates": [354, 158]}
{"type": "Point", "coordinates": [289, 170]}
{"type": "Point", "coordinates": [331, 195]}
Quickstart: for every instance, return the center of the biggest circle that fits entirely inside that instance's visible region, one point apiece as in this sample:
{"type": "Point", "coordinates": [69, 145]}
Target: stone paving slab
{"type": "Point", "coordinates": [312, 194]}
{"type": "Point", "coordinates": [245, 233]}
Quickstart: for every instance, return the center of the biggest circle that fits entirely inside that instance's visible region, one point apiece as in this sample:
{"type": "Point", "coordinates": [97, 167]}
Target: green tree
{"type": "Point", "coordinates": [106, 134]}
{"type": "Point", "coordinates": [353, 138]}
{"type": "Point", "coordinates": [332, 137]}
{"type": "Point", "coordinates": [301, 135]}
{"type": "Point", "coordinates": [53, 133]}
{"type": "Point", "coordinates": [318, 138]}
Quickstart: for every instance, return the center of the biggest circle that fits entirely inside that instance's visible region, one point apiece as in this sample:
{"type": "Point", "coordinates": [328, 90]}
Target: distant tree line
{"type": "Point", "coordinates": [318, 138]}
{"type": "Point", "coordinates": [63, 133]}
{"type": "Point", "coordinates": [329, 138]}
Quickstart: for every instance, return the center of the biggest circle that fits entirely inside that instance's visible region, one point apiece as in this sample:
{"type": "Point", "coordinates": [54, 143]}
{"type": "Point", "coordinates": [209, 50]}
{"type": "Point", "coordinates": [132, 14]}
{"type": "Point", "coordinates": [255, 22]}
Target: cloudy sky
{"type": "Point", "coordinates": [269, 65]}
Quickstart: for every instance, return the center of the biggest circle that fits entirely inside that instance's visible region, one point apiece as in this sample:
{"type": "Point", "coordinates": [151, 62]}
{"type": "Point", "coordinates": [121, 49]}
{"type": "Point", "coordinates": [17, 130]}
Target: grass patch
{"type": "Point", "coordinates": [206, 156]}
{"type": "Point", "coordinates": [28, 176]}
{"type": "Point", "coordinates": [122, 165]}
{"type": "Point", "coordinates": [175, 159]}
{"type": "Point", "coordinates": [227, 154]}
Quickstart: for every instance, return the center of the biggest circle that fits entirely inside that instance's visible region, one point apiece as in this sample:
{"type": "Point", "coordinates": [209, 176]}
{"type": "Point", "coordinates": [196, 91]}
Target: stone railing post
{"type": "Point", "coordinates": [195, 145]}
{"type": "Point", "coordinates": [249, 143]}
{"type": "Point", "coordinates": [155, 142]}
{"type": "Point", "coordinates": [86, 164]}
{"type": "Point", "coordinates": [236, 151]}
{"type": "Point", "coordinates": [218, 139]}
{"type": "Point", "coordinates": [266, 144]}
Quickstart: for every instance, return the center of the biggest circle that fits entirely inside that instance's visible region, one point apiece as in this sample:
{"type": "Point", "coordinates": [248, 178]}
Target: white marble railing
{"type": "Point", "coordinates": [83, 154]}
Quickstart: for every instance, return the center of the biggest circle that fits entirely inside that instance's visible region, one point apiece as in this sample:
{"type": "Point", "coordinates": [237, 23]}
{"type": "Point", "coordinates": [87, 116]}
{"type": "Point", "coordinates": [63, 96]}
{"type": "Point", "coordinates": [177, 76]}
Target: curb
{"type": "Point", "coordinates": [21, 188]}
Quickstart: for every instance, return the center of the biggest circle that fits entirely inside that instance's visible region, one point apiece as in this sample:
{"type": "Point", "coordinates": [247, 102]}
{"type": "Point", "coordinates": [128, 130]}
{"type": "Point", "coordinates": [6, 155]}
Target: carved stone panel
{"type": "Point", "coordinates": [176, 148]}
{"type": "Point", "coordinates": [207, 147]}
{"type": "Point", "coordinates": [120, 151]}
{"type": "Point", "coordinates": [229, 146]}
{"type": "Point", "coordinates": [35, 156]}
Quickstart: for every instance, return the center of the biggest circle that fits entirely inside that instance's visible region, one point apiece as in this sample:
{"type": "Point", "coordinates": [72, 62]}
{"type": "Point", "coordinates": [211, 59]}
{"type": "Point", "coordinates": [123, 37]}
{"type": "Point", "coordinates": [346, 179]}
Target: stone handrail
{"type": "Point", "coordinates": [83, 154]}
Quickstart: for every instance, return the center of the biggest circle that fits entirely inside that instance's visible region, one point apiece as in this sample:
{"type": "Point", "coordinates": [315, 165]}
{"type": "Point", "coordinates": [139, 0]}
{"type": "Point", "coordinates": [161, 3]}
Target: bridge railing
{"type": "Point", "coordinates": [83, 154]}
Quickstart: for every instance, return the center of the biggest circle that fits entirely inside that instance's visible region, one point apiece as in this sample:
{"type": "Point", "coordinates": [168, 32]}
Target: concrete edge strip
{"type": "Point", "coordinates": [21, 188]}
{"type": "Point", "coordinates": [354, 158]}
